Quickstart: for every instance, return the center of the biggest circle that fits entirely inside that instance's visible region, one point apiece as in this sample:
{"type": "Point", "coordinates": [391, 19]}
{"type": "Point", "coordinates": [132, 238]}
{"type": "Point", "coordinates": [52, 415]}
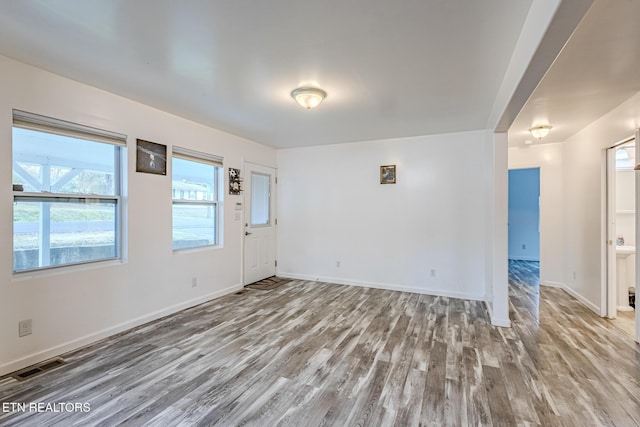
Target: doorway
{"type": "Point", "coordinates": [524, 236]}
{"type": "Point", "coordinates": [621, 235]}
{"type": "Point", "coordinates": [260, 222]}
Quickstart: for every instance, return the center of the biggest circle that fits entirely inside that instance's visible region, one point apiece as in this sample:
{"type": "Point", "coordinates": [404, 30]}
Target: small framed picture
{"type": "Point", "coordinates": [388, 174]}
{"type": "Point", "coordinates": [235, 182]}
{"type": "Point", "coordinates": [151, 157]}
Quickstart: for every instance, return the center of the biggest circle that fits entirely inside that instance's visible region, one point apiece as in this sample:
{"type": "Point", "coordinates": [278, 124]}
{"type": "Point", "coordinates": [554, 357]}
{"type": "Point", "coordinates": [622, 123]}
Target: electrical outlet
{"type": "Point", "coordinates": [25, 327]}
{"type": "Point", "coordinates": [524, 246]}
{"type": "Point", "coordinates": [338, 264]}
{"type": "Point", "coordinates": [194, 282]}
{"type": "Point", "coordinates": [574, 275]}
{"type": "Point", "coordinates": [433, 272]}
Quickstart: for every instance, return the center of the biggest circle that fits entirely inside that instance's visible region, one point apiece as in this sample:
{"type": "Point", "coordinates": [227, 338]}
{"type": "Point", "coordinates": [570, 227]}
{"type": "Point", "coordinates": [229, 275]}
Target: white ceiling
{"type": "Point", "coordinates": [597, 70]}
{"type": "Point", "coordinates": [390, 68]}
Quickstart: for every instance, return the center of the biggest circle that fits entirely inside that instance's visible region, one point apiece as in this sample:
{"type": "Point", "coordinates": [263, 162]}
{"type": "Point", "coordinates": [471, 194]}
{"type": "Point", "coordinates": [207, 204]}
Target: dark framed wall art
{"type": "Point", "coordinates": [388, 174]}
{"type": "Point", "coordinates": [235, 182]}
{"type": "Point", "coordinates": [151, 157]}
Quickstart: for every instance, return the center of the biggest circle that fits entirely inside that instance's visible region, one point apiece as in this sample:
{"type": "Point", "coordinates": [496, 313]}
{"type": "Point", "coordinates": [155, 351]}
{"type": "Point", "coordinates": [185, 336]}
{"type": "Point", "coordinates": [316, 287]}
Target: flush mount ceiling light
{"type": "Point", "coordinates": [540, 131]}
{"type": "Point", "coordinates": [308, 97]}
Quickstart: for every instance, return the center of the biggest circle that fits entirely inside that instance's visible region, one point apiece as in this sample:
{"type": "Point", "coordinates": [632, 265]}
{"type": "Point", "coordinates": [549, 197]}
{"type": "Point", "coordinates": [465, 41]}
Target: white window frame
{"type": "Point", "coordinates": [208, 159]}
{"type": "Point", "coordinates": [30, 121]}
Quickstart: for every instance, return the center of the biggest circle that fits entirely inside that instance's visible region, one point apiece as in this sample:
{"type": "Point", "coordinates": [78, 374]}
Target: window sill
{"type": "Point", "coordinates": [196, 249]}
{"type": "Point", "coordinates": [66, 269]}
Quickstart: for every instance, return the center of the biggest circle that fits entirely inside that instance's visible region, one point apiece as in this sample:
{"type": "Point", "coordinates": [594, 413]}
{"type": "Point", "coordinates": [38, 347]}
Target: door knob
{"type": "Point", "coordinates": [246, 233]}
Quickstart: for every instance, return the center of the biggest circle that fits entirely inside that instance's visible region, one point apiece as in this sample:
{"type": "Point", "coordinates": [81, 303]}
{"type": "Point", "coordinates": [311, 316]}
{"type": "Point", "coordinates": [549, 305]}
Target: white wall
{"type": "Point", "coordinates": [332, 208]}
{"type": "Point", "coordinates": [583, 166]}
{"type": "Point", "coordinates": [73, 306]}
{"type": "Point", "coordinates": [547, 157]}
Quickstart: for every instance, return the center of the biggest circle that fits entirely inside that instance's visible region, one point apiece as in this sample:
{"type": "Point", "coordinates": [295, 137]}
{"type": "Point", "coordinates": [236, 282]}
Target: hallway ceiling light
{"type": "Point", "coordinates": [308, 97]}
{"type": "Point", "coordinates": [540, 131]}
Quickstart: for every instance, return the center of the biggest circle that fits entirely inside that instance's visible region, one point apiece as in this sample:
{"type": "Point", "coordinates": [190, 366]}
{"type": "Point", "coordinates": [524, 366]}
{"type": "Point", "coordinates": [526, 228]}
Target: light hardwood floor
{"type": "Point", "coordinates": [310, 353]}
{"type": "Point", "coordinates": [626, 320]}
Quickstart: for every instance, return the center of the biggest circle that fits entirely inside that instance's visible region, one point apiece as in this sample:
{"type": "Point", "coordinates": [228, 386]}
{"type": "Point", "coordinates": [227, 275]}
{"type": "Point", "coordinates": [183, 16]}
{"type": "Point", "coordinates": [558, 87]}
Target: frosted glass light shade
{"type": "Point", "coordinates": [308, 97]}
{"type": "Point", "coordinates": [540, 131]}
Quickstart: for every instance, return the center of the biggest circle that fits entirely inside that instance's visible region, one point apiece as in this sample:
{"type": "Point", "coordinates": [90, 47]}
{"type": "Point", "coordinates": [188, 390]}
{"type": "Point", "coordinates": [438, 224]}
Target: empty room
{"type": "Point", "coordinates": [309, 213]}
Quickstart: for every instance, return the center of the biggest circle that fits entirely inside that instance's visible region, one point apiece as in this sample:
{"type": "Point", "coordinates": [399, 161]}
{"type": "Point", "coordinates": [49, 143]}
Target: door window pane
{"type": "Point", "coordinates": [260, 195]}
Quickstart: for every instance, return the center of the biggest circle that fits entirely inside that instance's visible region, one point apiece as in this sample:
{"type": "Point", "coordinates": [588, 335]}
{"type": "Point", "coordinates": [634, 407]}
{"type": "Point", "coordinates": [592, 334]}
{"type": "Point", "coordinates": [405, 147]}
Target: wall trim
{"type": "Point", "coordinates": [574, 294]}
{"type": "Point", "coordinates": [503, 323]}
{"type": "Point", "coordinates": [61, 349]}
{"type": "Point", "coordinates": [391, 287]}
{"type": "Point", "coordinates": [552, 284]}
{"type": "Point", "coordinates": [496, 321]}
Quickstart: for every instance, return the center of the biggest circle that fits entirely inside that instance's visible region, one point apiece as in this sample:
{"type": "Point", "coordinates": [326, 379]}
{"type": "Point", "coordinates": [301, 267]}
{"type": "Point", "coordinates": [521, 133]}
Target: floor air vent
{"type": "Point", "coordinates": [34, 370]}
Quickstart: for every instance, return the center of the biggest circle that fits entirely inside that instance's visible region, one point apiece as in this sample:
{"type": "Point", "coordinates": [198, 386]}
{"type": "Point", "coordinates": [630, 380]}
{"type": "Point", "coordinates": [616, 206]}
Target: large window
{"type": "Point", "coordinates": [196, 180]}
{"type": "Point", "coordinates": [66, 196]}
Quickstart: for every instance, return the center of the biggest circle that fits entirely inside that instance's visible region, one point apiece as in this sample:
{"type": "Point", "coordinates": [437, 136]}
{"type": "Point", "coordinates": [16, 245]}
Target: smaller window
{"type": "Point", "coordinates": [196, 199]}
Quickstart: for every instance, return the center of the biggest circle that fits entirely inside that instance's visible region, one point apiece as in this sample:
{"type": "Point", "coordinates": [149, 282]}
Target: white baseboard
{"type": "Point", "coordinates": [496, 321]}
{"type": "Point", "coordinates": [58, 350]}
{"type": "Point", "coordinates": [503, 323]}
{"type": "Point", "coordinates": [552, 284]}
{"type": "Point", "coordinates": [387, 286]}
{"type": "Point", "coordinates": [574, 294]}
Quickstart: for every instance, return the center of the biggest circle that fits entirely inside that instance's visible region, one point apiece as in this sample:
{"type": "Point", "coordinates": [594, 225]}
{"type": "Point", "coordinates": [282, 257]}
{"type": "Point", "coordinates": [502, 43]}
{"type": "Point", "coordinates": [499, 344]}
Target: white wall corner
{"type": "Point", "coordinates": [582, 300]}
{"type": "Point", "coordinates": [501, 322]}
{"type": "Point", "coordinates": [497, 321]}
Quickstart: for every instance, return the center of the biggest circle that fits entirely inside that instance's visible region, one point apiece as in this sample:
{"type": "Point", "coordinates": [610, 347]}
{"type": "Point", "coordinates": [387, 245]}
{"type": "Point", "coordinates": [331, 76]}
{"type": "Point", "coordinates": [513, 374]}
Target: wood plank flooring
{"type": "Point", "coordinates": [310, 354]}
{"type": "Point", "coordinates": [626, 320]}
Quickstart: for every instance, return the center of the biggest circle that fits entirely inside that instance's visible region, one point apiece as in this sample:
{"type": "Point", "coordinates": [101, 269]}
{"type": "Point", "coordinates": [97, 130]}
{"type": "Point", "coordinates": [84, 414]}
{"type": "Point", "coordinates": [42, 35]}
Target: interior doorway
{"type": "Point", "coordinates": [621, 235]}
{"type": "Point", "coordinates": [524, 236]}
{"type": "Point", "coordinates": [524, 214]}
{"type": "Point", "coordinates": [260, 222]}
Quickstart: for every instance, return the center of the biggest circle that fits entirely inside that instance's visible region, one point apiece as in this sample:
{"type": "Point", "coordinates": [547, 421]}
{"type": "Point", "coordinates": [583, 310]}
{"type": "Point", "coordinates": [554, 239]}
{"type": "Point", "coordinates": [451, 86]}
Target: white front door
{"type": "Point", "coordinates": [260, 222]}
